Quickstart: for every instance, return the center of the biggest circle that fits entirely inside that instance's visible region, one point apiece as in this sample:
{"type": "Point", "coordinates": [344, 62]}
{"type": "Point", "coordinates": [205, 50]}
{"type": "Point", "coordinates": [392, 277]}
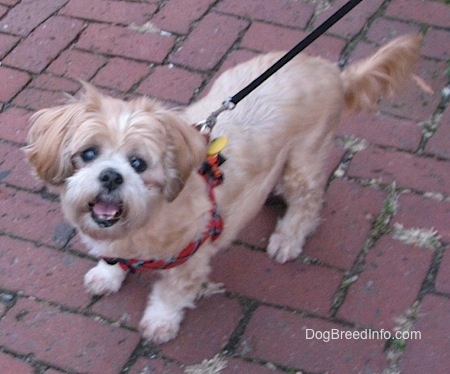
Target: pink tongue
{"type": "Point", "coordinates": [105, 209]}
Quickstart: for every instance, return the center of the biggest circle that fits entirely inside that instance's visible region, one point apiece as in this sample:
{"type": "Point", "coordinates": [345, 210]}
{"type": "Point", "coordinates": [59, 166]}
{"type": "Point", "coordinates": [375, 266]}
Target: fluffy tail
{"type": "Point", "coordinates": [380, 75]}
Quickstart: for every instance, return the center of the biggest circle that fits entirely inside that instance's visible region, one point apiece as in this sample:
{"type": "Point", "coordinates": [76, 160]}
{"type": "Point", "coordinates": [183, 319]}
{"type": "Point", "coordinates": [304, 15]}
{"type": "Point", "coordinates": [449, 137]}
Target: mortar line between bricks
{"type": "Point", "coordinates": [272, 366]}
{"type": "Point", "coordinates": [429, 282]}
{"type": "Point", "coordinates": [210, 73]}
{"type": "Point", "coordinates": [351, 45]}
{"type": "Point", "coordinates": [423, 25]}
{"type": "Point", "coordinates": [379, 228]}
{"type": "Point", "coordinates": [22, 37]}
{"type": "Point", "coordinates": [248, 307]}
{"type": "Point", "coordinates": [63, 249]}
{"type": "Point", "coordinates": [39, 366]}
{"type": "Point", "coordinates": [431, 125]}
{"type": "Point", "coordinates": [81, 311]}
{"type": "Point", "coordinates": [143, 349]}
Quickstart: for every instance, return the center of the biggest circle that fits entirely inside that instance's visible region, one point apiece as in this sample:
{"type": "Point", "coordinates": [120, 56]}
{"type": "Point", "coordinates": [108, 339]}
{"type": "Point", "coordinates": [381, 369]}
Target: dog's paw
{"type": "Point", "coordinates": [158, 332]}
{"type": "Point", "coordinates": [104, 279]}
{"type": "Point", "coordinates": [159, 327]}
{"type": "Point", "coordinates": [283, 249]}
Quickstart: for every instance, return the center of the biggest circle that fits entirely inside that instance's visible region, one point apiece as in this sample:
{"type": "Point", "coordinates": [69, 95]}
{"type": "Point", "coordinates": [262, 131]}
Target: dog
{"type": "Point", "coordinates": [131, 185]}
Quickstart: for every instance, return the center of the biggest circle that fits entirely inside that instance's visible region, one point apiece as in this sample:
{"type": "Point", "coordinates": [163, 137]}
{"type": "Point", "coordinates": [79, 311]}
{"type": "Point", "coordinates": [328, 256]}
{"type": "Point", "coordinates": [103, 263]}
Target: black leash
{"type": "Point", "coordinates": [230, 103]}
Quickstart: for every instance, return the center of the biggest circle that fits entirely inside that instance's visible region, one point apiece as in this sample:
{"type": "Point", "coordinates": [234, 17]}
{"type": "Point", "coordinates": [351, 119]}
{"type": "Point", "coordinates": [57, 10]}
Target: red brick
{"type": "Point", "coordinates": [328, 47]}
{"type": "Point", "coordinates": [439, 143]}
{"type": "Point", "coordinates": [270, 327]}
{"type": "Point", "coordinates": [9, 2]}
{"type": "Point", "coordinates": [384, 30]}
{"type": "Point", "coordinates": [121, 41]}
{"type": "Point", "coordinates": [29, 14]}
{"type": "Point", "coordinates": [347, 216]}
{"type": "Point", "coordinates": [205, 330]}
{"type": "Point", "coordinates": [51, 83]}
{"type": "Point", "coordinates": [412, 102]}
{"type": "Point", "coordinates": [275, 37]}
{"type": "Point", "coordinates": [198, 51]}
{"type": "Point", "coordinates": [127, 306]}
{"type": "Point", "coordinates": [283, 12]}
{"type": "Point", "coordinates": [233, 58]}
{"type": "Point", "coordinates": [443, 276]}
{"type": "Point", "coordinates": [7, 42]}
{"type": "Point", "coordinates": [178, 15]}
{"type": "Point", "coordinates": [429, 12]}
{"type": "Point", "coordinates": [391, 281]}
{"type": "Point", "coordinates": [28, 215]}
{"type": "Point", "coordinates": [35, 98]}
{"type": "Point", "coordinates": [171, 83]}
{"type": "Point", "coordinates": [382, 129]}
{"type": "Point", "coordinates": [14, 124]}
{"type": "Point", "coordinates": [235, 365]}
{"type": "Point", "coordinates": [117, 12]}
{"type": "Point", "coordinates": [12, 82]}
{"type": "Point", "coordinates": [352, 23]}
{"type": "Point", "coordinates": [50, 274]}
{"type": "Point", "coordinates": [361, 51]}
{"type": "Point", "coordinates": [434, 41]}
{"type": "Point", "coordinates": [15, 170]}
{"type": "Point", "coordinates": [44, 44]}
{"type": "Point", "coordinates": [429, 354]}
{"type": "Point", "coordinates": [120, 74]}
{"type": "Point", "coordinates": [10, 364]}
{"type": "Point", "coordinates": [258, 231]}
{"type": "Point", "coordinates": [76, 64]}
{"type": "Point", "coordinates": [407, 170]}
{"type": "Point", "coordinates": [254, 274]}
{"type": "Point", "coordinates": [72, 342]}
{"type": "Point", "coordinates": [155, 365]}
{"type": "Point", "coordinates": [416, 211]}
{"type": "Point", "coordinates": [278, 38]}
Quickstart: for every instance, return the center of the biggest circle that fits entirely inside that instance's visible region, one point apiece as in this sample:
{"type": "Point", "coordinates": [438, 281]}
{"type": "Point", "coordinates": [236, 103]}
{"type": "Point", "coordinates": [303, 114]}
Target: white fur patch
{"type": "Point", "coordinates": [214, 365]}
{"type": "Point", "coordinates": [104, 279]}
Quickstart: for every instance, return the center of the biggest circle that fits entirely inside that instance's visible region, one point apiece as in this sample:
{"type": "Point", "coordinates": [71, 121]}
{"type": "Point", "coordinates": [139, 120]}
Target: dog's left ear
{"type": "Point", "coordinates": [186, 150]}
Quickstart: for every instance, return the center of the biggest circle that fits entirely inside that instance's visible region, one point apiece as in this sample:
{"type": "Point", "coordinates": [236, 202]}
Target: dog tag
{"type": "Point", "coordinates": [217, 145]}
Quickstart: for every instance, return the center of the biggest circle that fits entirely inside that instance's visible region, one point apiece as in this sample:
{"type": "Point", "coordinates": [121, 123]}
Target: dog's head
{"type": "Point", "coordinates": [116, 160]}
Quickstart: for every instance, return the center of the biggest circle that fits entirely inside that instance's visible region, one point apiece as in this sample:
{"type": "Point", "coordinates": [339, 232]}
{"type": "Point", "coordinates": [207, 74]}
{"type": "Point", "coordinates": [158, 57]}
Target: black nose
{"type": "Point", "coordinates": [110, 179]}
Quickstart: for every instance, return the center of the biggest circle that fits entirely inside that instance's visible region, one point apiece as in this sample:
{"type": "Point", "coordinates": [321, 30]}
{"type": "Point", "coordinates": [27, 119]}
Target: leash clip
{"type": "Point", "coordinates": [205, 127]}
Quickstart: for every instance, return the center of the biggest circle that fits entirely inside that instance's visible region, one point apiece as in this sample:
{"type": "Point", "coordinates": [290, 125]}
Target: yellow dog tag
{"type": "Point", "coordinates": [217, 145]}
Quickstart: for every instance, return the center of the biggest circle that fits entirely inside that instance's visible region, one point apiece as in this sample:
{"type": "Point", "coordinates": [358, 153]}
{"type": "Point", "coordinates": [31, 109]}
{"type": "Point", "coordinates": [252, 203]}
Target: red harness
{"type": "Point", "coordinates": [213, 177]}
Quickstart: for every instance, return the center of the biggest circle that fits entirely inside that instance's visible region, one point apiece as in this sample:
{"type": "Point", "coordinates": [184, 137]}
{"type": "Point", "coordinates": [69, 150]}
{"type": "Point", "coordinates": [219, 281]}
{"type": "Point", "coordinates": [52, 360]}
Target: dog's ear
{"type": "Point", "coordinates": [50, 134]}
{"type": "Point", "coordinates": [186, 150]}
{"type": "Point", "coordinates": [48, 140]}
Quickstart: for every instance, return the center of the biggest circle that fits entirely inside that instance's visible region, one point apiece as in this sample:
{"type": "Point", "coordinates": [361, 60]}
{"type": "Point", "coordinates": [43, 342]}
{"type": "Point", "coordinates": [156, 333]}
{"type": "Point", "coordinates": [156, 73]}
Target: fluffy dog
{"type": "Point", "coordinates": [128, 170]}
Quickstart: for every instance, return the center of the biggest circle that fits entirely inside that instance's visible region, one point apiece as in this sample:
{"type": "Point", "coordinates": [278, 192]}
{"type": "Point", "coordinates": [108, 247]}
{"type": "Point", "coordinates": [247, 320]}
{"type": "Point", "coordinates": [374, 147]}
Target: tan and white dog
{"type": "Point", "coordinates": [128, 170]}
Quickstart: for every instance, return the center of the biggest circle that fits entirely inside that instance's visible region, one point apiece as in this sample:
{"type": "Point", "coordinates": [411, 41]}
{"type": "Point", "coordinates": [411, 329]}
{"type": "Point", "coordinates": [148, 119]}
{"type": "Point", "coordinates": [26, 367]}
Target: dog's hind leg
{"type": "Point", "coordinates": [302, 187]}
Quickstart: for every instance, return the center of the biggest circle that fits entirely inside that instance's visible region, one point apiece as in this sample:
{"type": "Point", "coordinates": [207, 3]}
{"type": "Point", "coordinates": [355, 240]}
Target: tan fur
{"type": "Point", "coordinates": [279, 137]}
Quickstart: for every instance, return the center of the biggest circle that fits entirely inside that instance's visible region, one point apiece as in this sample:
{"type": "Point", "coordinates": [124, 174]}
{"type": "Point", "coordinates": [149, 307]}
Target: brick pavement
{"type": "Point", "coordinates": [364, 268]}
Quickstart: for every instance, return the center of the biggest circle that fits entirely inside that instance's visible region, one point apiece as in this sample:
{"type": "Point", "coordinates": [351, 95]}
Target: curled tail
{"type": "Point", "coordinates": [380, 75]}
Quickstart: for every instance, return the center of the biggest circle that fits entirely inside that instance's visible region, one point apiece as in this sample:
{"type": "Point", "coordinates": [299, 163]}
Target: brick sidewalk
{"type": "Point", "coordinates": [364, 268]}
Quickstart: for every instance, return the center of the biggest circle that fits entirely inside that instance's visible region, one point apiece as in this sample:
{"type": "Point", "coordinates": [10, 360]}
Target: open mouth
{"type": "Point", "coordinates": [105, 212]}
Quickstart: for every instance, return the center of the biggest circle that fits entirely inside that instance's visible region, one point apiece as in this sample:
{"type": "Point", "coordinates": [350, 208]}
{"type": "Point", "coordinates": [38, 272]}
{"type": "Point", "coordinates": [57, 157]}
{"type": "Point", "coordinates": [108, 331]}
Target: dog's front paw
{"type": "Point", "coordinates": [283, 248]}
{"type": "Point", "coordinates": [104, 279]}
{"type": "Point", "coordinates": [159, 324]}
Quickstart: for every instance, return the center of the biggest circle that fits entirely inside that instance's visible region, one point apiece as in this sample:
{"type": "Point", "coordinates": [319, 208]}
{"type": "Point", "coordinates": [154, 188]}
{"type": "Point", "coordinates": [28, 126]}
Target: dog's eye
{"type": "Point", "coordinates": [138, 164]}
{"type": "Point", "coordinates": [89, 154]}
